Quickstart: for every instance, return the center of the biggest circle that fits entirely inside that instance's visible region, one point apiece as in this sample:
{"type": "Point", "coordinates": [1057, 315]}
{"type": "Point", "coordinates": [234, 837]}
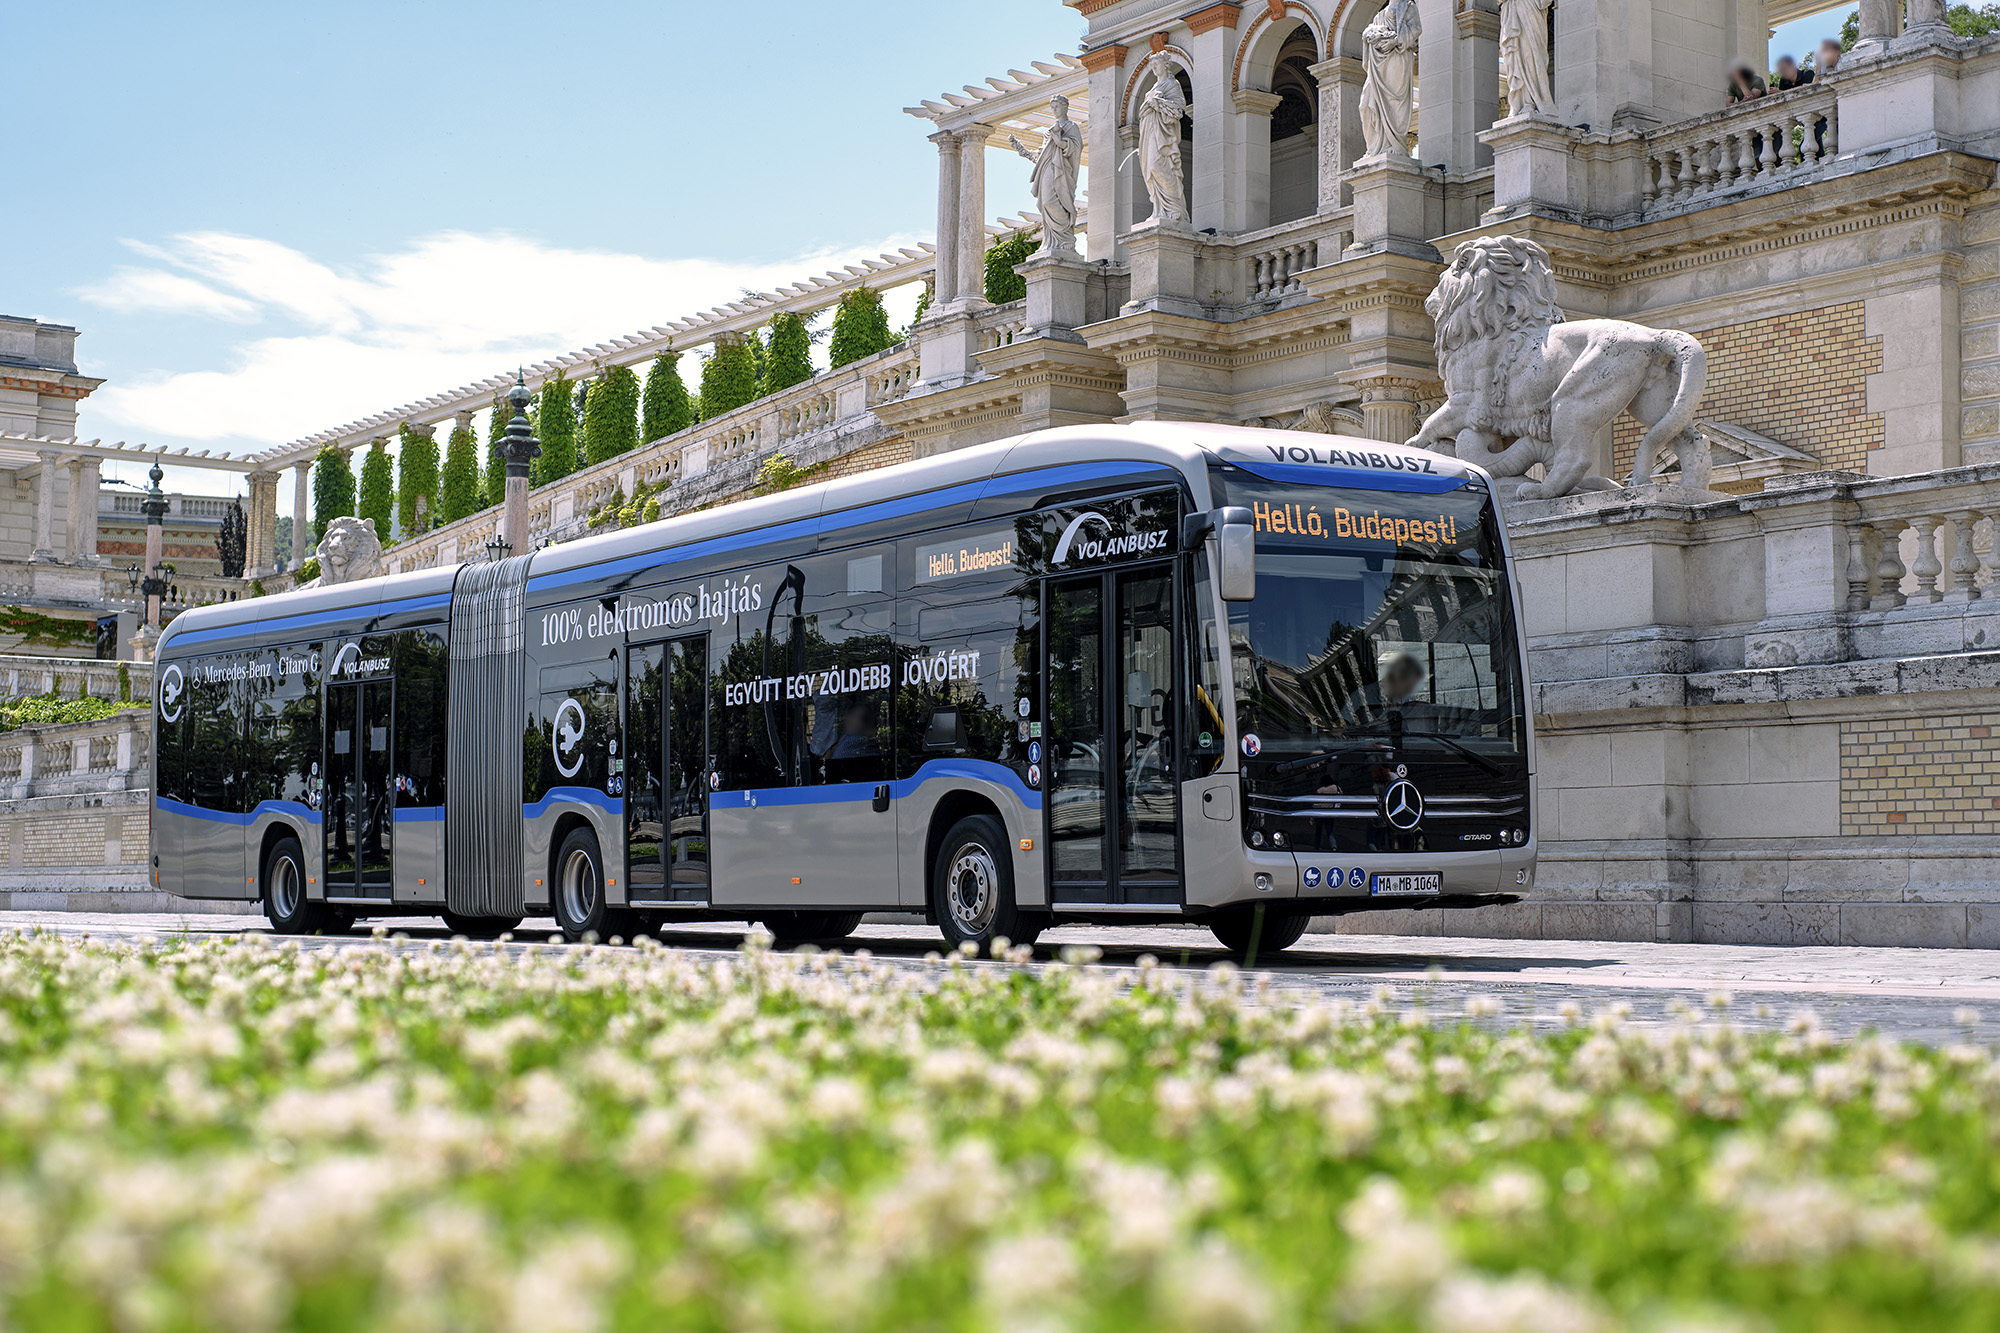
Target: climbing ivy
{"type": "Point", "coordinates": [1003, 284]}
{"type": "Point", "coordinates": [669, 407]}
{"type": "Point", "coordinates": [555, 423]}
{"type": "Point", "coordinates": [780, 473]}
{"type": "Point", "coordinates": [49, 631]}
{"type": "Point", "coordinates": [333, 489]}
{"type": "Point", "coordinates": [790, 359]}
{"type": "Point", "coordinates": [458, 488]}
{"type": "Point", "coordinates": [860, 327]}
{"type": "Point", "coordinates": [611, 415]}
{"type": "Point", "coordinates": [417, 487]}
{"type": "Point", "coordinates": [495, 479]}
{"type": "Point", "coordinates": [378, 489]}
{"type": "Point", "coordinates": [728, 377]}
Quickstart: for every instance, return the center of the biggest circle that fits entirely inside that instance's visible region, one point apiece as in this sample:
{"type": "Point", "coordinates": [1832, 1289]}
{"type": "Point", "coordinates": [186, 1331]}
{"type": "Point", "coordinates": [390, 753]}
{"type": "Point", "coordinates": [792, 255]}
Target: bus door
{"type": "Point", "coordinates": [360, 804]}
{"type": "Point", "coordinates": [666, 771]}
{"type": "Point", "coordinates": [1112, 800]}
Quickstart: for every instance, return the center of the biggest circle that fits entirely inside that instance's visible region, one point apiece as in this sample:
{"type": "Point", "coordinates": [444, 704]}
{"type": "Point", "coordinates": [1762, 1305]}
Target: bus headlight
{"type": "Point", "coordinates": [1256, 837]}
{"type": "Point", "coordinates": [1278, 840]}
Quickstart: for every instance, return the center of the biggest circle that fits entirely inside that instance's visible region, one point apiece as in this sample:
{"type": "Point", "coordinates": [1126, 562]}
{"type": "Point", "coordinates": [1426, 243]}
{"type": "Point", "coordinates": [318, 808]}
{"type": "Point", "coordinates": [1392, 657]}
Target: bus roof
{"type": "Point", "coordinates": [1185, 446]}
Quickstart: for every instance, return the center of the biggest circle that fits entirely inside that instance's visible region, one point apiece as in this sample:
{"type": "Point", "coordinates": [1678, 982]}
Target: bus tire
{"type": "Point", "coordinates": [479, 927]}
{"type": "Point", "coordinates": [286, 906]}
{"type": "Point", "coordinates": [578, 900]}
{"type": "Point", "coordinates": [791, 929]}
{"type": "Point", "coordinates": [972, 887]}
{"type": "Point", "coordinates": [1233, 926]}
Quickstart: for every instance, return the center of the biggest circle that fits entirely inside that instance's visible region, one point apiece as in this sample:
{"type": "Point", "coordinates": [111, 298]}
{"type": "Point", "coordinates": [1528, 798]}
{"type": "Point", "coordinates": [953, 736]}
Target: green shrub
{"type": "Point", "coordinates": [378, 489]}
{"type": "Point", "coordinates": [417, 487]}
{"type": "Point", "coordinates": [728, 377]}
{"type": "Point", "coordinates": [125, 669]}
{"type": "Point", "coordinates": [495, 478]}
{"type": "Point", "coordinates": [458, 489]}
{"type": "Point", "coordinates": [860, 327]}
{"type": "Point", "coordinates": [308, 570]}
{"type": "Point", "coordinates": [780, 473]}
{"type": "Point", "coordinates": [333, 490]}
{"type": "Point", "coordinates": [669, 407]}
{"type": "Point", "coordinates": [51, 708]}
{"type": "Point", "coordinates": [47, 630]}
{"type": "Point", "coordinates": [790, 360]}
{"type": "Point", "coordinates": [611, 415]}
{"type": "Point", "coordinates": [555, 423]}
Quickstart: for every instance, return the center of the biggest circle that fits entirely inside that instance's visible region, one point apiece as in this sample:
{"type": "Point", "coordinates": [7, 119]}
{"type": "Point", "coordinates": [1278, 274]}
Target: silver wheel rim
{"type": "Point", "coordinates": [285, 892]}
{"type": "Point", "coordinates": [579, 887]}
{"type": "Point", "coordinates": [972, 889]}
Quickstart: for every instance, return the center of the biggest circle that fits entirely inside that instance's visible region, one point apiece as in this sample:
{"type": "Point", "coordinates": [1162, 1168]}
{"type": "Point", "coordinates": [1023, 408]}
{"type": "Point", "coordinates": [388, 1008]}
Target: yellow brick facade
{"type": "Point", "coordinates": [1800, 378]}
{"type": "Point", "coordinates": [62, 841]}
{"type": "Point", "coordinates": [1921, 774]}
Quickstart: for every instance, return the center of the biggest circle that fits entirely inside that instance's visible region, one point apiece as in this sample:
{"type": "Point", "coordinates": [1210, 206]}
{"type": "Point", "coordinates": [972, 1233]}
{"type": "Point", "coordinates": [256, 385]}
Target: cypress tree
{"type": "Point", "coordinates": [790, 359]}
{"type": "Point", "coordinates": [669, 406]}
{"type": "Point", "coordinates": [555, 423]}
{"type": "Point", "coordinates": [611, 415]}
{"type": "Point", "coordinates": [418, 463]}
{"type": "Point", "coordinates": [728, 378]}
{"type": "Point", "coordinates": [495, 480]}
{"type": "Point", "coordinates": [378, 489]}
{"type": "Point", "coordinates": [860, 327]}
{"type": "Point", "coordinates": [333, 489]}
{"type": "Point", "coordinates": [458, 489]}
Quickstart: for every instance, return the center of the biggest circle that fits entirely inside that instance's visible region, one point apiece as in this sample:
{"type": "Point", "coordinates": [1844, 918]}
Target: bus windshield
{"type": "Point", "coordinates": [1381, 620]}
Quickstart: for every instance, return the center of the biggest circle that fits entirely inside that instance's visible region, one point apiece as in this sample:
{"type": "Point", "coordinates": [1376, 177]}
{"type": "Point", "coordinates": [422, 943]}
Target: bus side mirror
{"type": "Point", "coordinates": [1235, 554]}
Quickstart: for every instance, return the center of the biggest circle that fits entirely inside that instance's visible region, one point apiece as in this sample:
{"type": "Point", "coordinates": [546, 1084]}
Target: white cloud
{"type": "Point", "coordinates": [443, 311]}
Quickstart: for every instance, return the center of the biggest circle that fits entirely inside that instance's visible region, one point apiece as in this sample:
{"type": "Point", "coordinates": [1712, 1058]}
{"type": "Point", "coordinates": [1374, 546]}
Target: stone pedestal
{"type": "Point", "coordinates": [143, 643]}
{"type": "Point", "coordinates": [1532, 157]}
{"type": "Point", "coordinates": [946, 341]}
{"type": "Point", "coordinates": [1392, 207]}
{"type": "Point", "coordinates": [1163, 257]}
{"type": "Point", "coordinates": [1058, 286]}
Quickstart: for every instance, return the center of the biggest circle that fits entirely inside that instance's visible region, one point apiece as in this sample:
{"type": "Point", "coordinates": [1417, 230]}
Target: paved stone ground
{"type": "Point", "coordinates": [1927, 995]}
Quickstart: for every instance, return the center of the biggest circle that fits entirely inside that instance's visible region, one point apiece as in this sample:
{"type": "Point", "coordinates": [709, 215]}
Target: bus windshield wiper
{"type": "Point", "coordinates": [1459, 746]}
{"type": "Point", "coordinates": [1290, 766]}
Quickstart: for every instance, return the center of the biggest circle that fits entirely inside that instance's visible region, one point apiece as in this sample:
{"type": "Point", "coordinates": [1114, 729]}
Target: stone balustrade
{"type": "Point", "coordinates": [1273, 259]}
{"type": "Point", "coordinates": [1000, 325]}
{"type": "Point", "coordinates": [1777, 141]}
{"type": "Point", "coordinates": [75, 758]}
{"type": "Point", "coordinates": [22, 675]}
{"type": "Point", "coordinates": [715, 459]}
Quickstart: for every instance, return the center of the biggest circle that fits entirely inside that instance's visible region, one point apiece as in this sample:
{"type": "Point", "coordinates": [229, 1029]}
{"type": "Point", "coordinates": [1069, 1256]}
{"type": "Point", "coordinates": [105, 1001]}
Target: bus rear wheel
{"type": "Point", "coordinates": [1238, 930]}
{"type": "Point", "coordinates": [791, 929]}
{"type": "Point", "coordinates": [580, 906]}
{"type": "Point", "coordinates": [479, 927]}
{"type": "Point", "coordinates": [972, 887]}
{"type": "Point", "coordinates": [286, 906]}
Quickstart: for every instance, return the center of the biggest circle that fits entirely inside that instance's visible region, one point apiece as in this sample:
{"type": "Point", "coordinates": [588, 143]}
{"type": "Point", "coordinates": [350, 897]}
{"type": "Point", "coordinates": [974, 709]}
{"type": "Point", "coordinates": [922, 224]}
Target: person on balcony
{"type": "Point", "coordinates": [1829, 56]}
{"type": "Point", "coordinates": [1745, 84]}
{"type": "Point", "coordinates": [1790, 75]}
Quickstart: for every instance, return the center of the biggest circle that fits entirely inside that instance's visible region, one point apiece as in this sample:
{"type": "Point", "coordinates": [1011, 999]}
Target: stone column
{"type": "Point", "coordinates": [1253, 130]}
{"type": "Point", "coordinates": [301, 510]}
{"type": "Point", "coordinates": [1604, 65]}
{"type": "Point", "coordinates": [1881, 23]}
{"type": "Point", "coordinates": [80, 541]}
{"type": "Point", "coordinates": [263, 524]}
{"type": "Point", "coordinates": [1213, 51]}
{"type": "Point", "coordinates": [1473, 63]}
{"type": "Point", "coordinates": [946, 279]}
{"type": "Point", "coordinates": [972, 213]}
{"type": "Point", "coordinates": [45, 506]}
{"type": "Point", "coordinates": [1103, 220]}
{"type": "Point", "coordinates": [1389, 408]}
{"type": "Point", "coordinates": [1339, 124]}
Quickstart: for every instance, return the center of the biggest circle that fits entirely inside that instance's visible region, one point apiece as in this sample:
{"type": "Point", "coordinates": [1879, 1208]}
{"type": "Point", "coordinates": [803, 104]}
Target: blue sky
{"type": "Point", "coordinates": [271, 219]}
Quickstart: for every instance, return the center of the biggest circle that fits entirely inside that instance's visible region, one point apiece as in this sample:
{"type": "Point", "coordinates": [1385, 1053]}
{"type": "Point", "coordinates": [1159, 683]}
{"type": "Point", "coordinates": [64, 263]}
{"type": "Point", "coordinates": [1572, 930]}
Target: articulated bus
{"type": "Point", "coordinates": [1132, 674]}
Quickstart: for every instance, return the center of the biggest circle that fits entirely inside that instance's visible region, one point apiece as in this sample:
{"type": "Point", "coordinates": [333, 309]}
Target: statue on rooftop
{"type": "Point", "coordinates": [350, 551]}
{"type": "Point", "coordinates": [1526, 386]}
{"type": "Point", "coordinates": [1524, 57]}
{"type": "Point", "coordinates": [1389, 79]}
{"type": "Point", "coordinates": [1054, 178]}
{"type": "Point", "coordinates": [1160, 116]}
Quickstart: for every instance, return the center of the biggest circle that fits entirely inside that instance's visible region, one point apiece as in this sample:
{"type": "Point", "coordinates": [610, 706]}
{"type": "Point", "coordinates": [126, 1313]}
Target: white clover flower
{"type": "Point", "coordinates": [1024, 1276]}
{"type": "Point", "coordinates": [1521, 1303]}
{"type": "Point", "coordinates": [1511, 1194]}
{"type": "Point", "coordinates": [1213, 1290]}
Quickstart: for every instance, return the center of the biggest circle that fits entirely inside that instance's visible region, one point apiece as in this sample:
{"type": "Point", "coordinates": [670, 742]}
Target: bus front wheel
{"type": "Point", "coordinates": [1240, 932]}
{"type": "Point", "coordinates": [286, 906]}
{"type": "Point", "coordinates": [580, 907]}
{"type": "Point", "coordinates": [972, 887]}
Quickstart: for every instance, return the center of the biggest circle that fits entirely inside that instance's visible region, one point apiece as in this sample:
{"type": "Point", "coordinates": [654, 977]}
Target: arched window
{"type": "Point", "coordinates": [1295, 131]}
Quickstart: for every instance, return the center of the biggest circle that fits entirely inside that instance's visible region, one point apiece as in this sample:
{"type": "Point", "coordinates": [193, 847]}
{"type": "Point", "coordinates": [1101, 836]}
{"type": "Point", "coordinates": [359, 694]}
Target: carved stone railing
{"type": "Point", "coordinates": [709, 460]}
{"type": "Point", "coordinates": [72, 677]}
{"type": "Point", "coordinates": [1780, 140]}
{"type": "Point", "coordinates": [65, 759]}
{"type": "Point", "coordinates": [1000, 325]}
{"type": "Point", "coordinates": [1273, 258]}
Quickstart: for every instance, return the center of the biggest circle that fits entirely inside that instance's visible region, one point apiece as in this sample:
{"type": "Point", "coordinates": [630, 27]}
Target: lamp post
{"type": "Point", "coordinates": [520, 449]}
{"type": "Point", "coordinates": [154, 506]}
{"type": "Point", "coordinates": [498, 549]}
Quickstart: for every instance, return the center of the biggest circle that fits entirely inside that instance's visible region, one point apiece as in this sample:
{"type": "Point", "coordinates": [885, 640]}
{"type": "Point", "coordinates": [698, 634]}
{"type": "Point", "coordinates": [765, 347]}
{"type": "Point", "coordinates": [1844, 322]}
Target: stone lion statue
{"type": "Point", "coordinates": [1526, 386]}
{"type": "Point", "coordinates": [350, 551]}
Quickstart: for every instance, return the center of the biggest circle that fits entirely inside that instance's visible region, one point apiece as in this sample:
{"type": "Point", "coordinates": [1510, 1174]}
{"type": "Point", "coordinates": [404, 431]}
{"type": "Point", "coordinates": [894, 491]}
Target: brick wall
{"type": "Point", "coordinates": [1800, 378]}
{"type": "Point", "coordinates": [884, 454]}
{"type": "Point", "coordinates": [1921, 774]}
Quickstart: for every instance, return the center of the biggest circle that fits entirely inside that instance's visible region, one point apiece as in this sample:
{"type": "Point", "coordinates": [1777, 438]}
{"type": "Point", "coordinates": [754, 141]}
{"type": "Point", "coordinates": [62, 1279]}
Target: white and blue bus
{"type": "Point", "coordinates": [1160, 672]}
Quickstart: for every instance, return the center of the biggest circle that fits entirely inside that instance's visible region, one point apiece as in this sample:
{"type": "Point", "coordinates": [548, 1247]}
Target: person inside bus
{"type": "Point", "coordinates": [1395, 691]}
{"type": "Point", "coordinates": [844, 739]}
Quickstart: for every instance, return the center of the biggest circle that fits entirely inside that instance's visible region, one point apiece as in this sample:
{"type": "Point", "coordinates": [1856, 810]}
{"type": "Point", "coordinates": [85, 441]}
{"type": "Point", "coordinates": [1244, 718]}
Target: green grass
{"type": "Point", "coordinates": [242, 1135]}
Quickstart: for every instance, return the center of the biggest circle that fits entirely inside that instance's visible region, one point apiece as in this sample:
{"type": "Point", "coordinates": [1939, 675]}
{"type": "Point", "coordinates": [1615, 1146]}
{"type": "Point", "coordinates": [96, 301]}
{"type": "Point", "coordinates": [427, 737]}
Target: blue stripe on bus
{"type": "Point", "coordinates": [419, 814]}
{"type": "Point", "coordinates": [869, 513]}
{"type": "Point", "coordinates": [837, 793]}
{"type": "Point", "coordinates": [577, 795]}
{"type": "Point", "coordinates": [1366, 479]}
{"type": "Point", "coordinates": [293, 808]}
{"type": "Point", "coordinates": [285, 624]}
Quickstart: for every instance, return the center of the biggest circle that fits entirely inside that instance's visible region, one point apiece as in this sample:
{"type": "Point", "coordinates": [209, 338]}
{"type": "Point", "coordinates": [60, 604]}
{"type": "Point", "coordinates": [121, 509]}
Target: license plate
{"type": "Point", "coordinates": [1406, 883]}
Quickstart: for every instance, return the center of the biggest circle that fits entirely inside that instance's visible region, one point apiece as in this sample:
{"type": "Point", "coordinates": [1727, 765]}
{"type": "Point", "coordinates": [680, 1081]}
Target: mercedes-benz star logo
{"type": "Point", "coordinates": [1403, 805]}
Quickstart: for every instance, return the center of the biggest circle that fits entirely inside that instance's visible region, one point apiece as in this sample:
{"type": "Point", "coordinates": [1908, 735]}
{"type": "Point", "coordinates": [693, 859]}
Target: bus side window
{"type": "Point", "coordinates": [420, 718]}
{"type": "Point", "coordinates": [962, 670]}
{"type": "Point", "coordinates": [261, 740]}
{"type": "Point", "coordinates": [751, 722]}
{"type": "Point", "coordinates": [844, 654]}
